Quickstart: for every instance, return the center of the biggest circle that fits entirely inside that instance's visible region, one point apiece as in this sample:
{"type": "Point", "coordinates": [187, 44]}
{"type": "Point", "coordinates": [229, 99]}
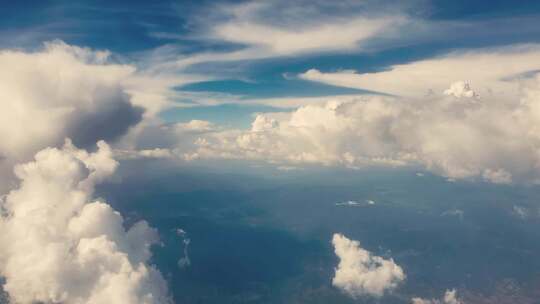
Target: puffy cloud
{"type": "Point", "coordinates": [58, 245]}
{"type": "Point", "coordinates": [57, 92]}
{"type": "Point", "coordinates": [61, 91]}
{"type": "Point", "coordinates": [450, 297]}
{"type": "Point", "coordinates": [361, 273]}
{"type": "Point", "coordinates": [165, 140]}
{"type": "Point", "coordinates": [495, 138]}
{"type": "Point", "coordinates": [461, 89]}
{"type": "Point", "coordinates": [499, 176]}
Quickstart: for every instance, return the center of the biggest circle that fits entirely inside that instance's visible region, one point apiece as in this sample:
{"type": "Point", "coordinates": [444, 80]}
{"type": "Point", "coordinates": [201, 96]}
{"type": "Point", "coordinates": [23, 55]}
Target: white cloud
{"type": "Point", "coordinates": [499, 176]}
{"type": "Point", "coordinates": [488, 70]}
{"type": "Point", "coordinates": [184, 261]}
{"type": "Point", "coordinates": [495, 138]}
{"type": "Point", "coordinates": [351, 203]}
{"type": "Point", "coordinates": [348, 203]}
{"type": "Point", "coordinates": [461, 89]}
{"type": "Point", "coordinates": [61, 91]}
{"type": "Point", "coordinates": [450, 297]}
{"type": "Point", "coordinates": [57, 92]}
{"type": "Point", "coordinates": [339, 35]}
{"type": "Point", "coordinates": [520, 212]}
{"type": "Point", "coordinates": [360, 273]}
{"type": "Point", "coordinates": [454, 212]}
{"type": "Point", "coordinates": [285, 28]}
{"type": "Point", "coordinates": [58, 244]}
{"type": "Point", "coordinates": [156, 153]}
{"type": "Point", "coordinates": [195, 125]}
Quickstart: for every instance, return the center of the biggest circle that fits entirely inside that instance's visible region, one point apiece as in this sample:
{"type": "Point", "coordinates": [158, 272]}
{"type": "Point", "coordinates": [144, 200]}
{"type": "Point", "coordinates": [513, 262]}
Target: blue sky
{"type": "Point", "coordinates": [133, 30]}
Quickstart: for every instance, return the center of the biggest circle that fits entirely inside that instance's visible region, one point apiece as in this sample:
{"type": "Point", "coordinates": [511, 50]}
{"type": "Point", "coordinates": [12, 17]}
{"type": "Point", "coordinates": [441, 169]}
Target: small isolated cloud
{"type": "Point", "coordinates": [348, 203]}
{"type": "Point", "coordinates": [450, 297]}
{"type": "Point", "coordinates": [520, 212]}
{"type": "Point", "coordinates": [359, 273]}
{"type": "Point", "coordinates": [59, 245]}
{"type": "Point", "coordinates": [184, 261]}
{"type": "Point", "coordinates": [454, 212]}
{"type": "Point", "coordinates": [355, 203]}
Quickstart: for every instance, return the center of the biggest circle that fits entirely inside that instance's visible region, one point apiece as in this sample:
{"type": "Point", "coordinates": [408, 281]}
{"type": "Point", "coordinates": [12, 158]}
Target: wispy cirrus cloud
{"type": "Point", "coordinates": [488, 70]}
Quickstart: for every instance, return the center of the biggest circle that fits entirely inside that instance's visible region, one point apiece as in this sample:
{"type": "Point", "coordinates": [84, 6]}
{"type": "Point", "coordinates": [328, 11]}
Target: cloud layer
{"type": "Point", "coordinates": [494, 138]}
{"type": "Point", "coordinates": [59, 245]}
{"type": "Point", "coordinates": [360, 273]}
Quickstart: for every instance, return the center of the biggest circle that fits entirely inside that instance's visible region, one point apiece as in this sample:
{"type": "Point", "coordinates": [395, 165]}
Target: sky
{"type": "Point", "coordinates": [278, 90]}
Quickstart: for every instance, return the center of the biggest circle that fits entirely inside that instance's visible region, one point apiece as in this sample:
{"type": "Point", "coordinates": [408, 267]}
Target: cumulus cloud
{"type": "Point", "coordinates": [166, 141]}
{"type": "Point", "coordinates": [494, 138]}
{"type": "Point", "coordinates": [499, 176]}
{"type": "Point", "coordinates": [450, 297]}
{"type": "Point", "coordinates": [460, 89]}
{"type": "Point", "coordinates": [61, 91]}
{"type": "Point", "coordinates": [360, 273]}
{"type": "Point", "coordinates": [59, 245]}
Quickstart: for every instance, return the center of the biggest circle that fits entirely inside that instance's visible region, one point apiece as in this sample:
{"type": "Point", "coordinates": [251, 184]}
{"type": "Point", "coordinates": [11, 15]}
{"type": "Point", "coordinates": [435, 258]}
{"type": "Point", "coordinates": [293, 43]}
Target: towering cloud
{"type": "Point", "coordinates": [361, 273]}
{"type": "Point", "coordinates": [57, 92]}
{"type": "Point", "coordinates": [59, 245]}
